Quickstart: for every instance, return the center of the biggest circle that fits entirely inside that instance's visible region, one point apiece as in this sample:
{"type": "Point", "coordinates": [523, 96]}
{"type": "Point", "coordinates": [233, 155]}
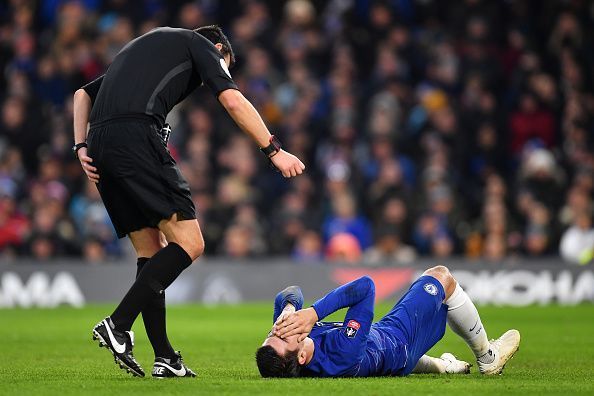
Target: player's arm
{"type": "Point", "coordinates": [82, 104]}
{"type": "Point", "coordinates": [286, 302]}
{"type": "Point", "coordinates": [358, 295]}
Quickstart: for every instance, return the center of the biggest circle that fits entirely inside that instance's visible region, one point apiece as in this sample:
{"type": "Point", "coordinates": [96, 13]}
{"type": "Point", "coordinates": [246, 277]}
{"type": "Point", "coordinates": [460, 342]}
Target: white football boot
{"type": "Point", "coordinates": [453, 365]}
{"type": "Point", "coordinates": [502, 349]}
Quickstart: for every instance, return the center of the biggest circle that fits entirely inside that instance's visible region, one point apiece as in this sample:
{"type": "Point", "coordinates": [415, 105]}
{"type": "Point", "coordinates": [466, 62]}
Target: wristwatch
{"type": "Point", "coordinates": [77, 147]}
{"type": "Point", "coordinates": [273, 148]}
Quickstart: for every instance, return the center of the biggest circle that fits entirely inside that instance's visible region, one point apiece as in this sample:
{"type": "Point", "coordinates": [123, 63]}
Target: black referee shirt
{"type": "Point", "coordinates": [156, 71]}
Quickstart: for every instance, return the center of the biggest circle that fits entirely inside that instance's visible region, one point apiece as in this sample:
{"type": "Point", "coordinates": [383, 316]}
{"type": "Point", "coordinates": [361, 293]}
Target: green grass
{"type": "Point", "coordinates": [51, 352]}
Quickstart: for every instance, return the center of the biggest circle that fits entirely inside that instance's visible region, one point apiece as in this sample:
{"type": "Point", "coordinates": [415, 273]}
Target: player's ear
{"type": "Point", "coordinates": [219, 46]}
{"type": "Point", "coordinates": [302, 357]}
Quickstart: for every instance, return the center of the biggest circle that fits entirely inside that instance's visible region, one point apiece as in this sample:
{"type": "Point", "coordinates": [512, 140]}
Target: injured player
{"type": "Point", "coordinates": [300, 345]}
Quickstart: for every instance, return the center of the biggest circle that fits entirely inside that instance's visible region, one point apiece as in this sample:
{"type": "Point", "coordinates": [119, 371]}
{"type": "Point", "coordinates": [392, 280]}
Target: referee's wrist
{"type": "Point", "coordinates": [77, 147]}
{"type": "Point", "coordinates": [273, 147]}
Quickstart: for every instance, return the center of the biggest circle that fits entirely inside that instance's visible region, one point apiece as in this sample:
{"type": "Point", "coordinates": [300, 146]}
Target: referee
{"type": "Point", "coordinates": [143, 190]}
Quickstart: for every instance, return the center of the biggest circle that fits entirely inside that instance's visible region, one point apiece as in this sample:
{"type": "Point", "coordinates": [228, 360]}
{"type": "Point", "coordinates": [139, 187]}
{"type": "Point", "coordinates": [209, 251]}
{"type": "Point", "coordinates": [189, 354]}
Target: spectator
{"type": "Point", "coordinates": [94, 251]}
{"type": "Point", "coordinates": [442, 246]}
{"type": "Point", "coordinates": [495, 248]}
{"type": "Point", "coordinates": [531, 121]}
{"type": "Point", "coordinates": [343, 248]}
{"type": "Point", "coordinates": [577, 243]}
{"type": "Point", "coordinates": [388, 248]}
{"type": "Point", "coordinates": [469, 130]}
{"type": "Point", "coordinates": [14, 226]}
{"type": "Point", "coordinates": [344, 219]}
{"type": "Point", "coordinates": [308, 248]}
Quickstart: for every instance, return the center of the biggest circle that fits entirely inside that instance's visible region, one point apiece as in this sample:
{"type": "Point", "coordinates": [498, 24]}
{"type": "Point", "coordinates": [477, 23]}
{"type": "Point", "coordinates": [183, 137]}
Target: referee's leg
{"type": "Point", "coordinates": [147, 242]}
{"type": "Point", "coordinates": [185, 244]}
{"type": "Point", "coordinates": [185, 233]}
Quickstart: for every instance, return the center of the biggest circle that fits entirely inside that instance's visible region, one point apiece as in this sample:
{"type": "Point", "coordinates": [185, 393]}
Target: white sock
{"type": "Point", "coordinates": [465, 321]}
{"type": "Point", "coordinates": [429, 365]}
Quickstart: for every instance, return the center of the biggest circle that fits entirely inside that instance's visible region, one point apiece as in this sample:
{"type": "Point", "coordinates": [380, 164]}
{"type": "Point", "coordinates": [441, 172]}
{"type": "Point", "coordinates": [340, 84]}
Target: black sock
{"type": "Point", "coordinates": [156, 276]}
{"type": "Point", "coordinates": [153, 315]}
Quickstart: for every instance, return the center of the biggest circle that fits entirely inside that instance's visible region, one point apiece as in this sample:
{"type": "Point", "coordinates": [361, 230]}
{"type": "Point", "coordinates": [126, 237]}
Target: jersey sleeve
{"type": "Point", "coordinates": [209, 63]}
{"type": "Point", "coordinates": [292, 295]}
{"type": "Point", "coordinates": [92, 88]}
{"type": "Point", "coordinates": [357, 295]}
{"type": "Point", "coordinates": [346, 347]}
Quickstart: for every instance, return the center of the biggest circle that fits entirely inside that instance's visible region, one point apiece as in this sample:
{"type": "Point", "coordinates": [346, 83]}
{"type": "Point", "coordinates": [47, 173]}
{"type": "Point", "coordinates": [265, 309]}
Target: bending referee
{"type": "Point", "coordinates": [145, 194]}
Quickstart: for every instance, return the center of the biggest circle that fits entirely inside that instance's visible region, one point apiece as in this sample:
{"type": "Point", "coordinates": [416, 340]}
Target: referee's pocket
{"type": "Point", "coordinates": [159, 148]}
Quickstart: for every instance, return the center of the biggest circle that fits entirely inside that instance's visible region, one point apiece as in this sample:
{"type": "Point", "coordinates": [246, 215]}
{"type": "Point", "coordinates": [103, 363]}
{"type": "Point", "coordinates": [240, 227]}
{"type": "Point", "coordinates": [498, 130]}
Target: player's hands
{"type": "Point", "coordinates": [287, 311]}
{"type": "Point", "coordinates": [300, 322]}
{"type": "Point", "coordinates": [85, 162]}
{"type": "Point", "coordinates": [287, 164]}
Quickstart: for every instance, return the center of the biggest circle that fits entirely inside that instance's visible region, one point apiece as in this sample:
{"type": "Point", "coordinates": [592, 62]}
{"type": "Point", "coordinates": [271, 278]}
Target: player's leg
{"type": "Point", "coordinates": [463, 316]}
{"type": "Point", "coordinates": [464, 320]}
{"type": "Point", "coordinates": [419, 318]}
{"type": "Point", "coordinates": [147, 242]}
{"type": "Point", "coordinates": [445, 364]}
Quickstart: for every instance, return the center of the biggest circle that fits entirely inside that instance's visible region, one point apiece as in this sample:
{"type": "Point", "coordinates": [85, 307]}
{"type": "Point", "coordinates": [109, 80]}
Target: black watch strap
{"type": "Point", "coordinates": [273, 148]}
{"type": "Point", "coordinates": [77, 147]}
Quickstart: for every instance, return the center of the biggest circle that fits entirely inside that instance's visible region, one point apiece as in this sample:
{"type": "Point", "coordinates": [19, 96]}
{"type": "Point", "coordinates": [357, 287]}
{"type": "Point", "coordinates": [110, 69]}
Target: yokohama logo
{"type": "Point", "coordinates": [522, 287]}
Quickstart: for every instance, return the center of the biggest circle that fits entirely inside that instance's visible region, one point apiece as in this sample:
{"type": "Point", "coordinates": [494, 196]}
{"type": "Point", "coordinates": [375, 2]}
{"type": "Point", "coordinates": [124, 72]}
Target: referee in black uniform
{"type": "Point", "coordinates": [145, 194]}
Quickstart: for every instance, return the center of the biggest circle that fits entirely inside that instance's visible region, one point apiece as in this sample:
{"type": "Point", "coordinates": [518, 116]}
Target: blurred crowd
{"type": "Point", "coordinates": [428, 128]}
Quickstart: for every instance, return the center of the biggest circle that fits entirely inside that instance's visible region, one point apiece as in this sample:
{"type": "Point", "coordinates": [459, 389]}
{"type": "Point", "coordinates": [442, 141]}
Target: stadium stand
{"type": "Point", "coordinates": [428, 128]}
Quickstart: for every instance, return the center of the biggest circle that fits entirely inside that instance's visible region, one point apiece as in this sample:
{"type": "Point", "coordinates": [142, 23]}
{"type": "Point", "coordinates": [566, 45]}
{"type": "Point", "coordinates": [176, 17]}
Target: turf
{"type": "Point", "coordinates": [50, 352]}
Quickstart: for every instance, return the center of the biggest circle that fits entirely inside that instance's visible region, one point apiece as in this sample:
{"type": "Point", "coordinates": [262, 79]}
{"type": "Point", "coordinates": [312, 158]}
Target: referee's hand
{"type": "Point", "coordinates": [85, 162]}
{"type": "Point", "coordinates": [287, 164]}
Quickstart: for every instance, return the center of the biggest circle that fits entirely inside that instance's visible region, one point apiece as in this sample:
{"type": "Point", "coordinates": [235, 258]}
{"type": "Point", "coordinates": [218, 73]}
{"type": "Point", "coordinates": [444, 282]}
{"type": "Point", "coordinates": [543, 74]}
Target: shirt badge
{"type": "Point", "coordinates": [430, 288]}
{"type": "Point", "coordinates": [351, 328]}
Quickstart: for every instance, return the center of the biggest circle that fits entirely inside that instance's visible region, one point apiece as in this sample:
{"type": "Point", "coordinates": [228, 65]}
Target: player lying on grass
{"type": "Point", "coordinates": [300, 345]}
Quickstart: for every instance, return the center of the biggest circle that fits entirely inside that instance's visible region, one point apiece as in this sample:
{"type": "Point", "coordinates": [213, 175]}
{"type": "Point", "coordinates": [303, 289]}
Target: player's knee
{"type": "Point", "coordinates": [438, 270]}
{"type": "Point", "coordinates": [443, 275]}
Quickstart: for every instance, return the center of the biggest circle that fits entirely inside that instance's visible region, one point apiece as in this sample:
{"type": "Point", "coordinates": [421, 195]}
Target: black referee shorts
{"type": "Point", "coordinates": [139, 181]}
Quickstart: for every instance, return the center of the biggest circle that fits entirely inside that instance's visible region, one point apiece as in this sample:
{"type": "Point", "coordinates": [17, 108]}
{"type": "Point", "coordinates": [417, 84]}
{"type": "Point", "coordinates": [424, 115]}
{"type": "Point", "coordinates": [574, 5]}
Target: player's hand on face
{"type": "Point", "coordinates": [287, 164]}
{"type": "Point", "coordinates": [287, 311]}
{"type": "Point", "coordinates": [299, 323]}
{"type": "Point", "coordinates": [86, 163]}
{"type": "Point", "coordinates": [281, 318]}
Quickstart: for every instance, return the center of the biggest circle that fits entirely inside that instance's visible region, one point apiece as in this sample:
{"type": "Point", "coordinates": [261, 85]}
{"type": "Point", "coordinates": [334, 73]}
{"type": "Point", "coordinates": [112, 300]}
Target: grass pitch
{"type": "Point", "coordinates": [51, 352]}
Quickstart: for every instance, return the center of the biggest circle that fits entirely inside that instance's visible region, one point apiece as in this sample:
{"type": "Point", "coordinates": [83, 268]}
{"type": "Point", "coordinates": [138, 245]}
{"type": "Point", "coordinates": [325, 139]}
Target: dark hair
{"type": "Point", "coordinates": [271, 364]}
{"type": "Point", "coordinates": [215, 35]}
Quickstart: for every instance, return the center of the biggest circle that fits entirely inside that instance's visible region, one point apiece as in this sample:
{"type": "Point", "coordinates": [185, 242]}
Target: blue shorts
{"type": "Point", "coordinates": [419, 319]}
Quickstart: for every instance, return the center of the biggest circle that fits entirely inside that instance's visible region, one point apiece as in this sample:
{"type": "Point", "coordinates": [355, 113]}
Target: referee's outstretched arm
{"type": "Point", "coordinates": [248, 119]}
